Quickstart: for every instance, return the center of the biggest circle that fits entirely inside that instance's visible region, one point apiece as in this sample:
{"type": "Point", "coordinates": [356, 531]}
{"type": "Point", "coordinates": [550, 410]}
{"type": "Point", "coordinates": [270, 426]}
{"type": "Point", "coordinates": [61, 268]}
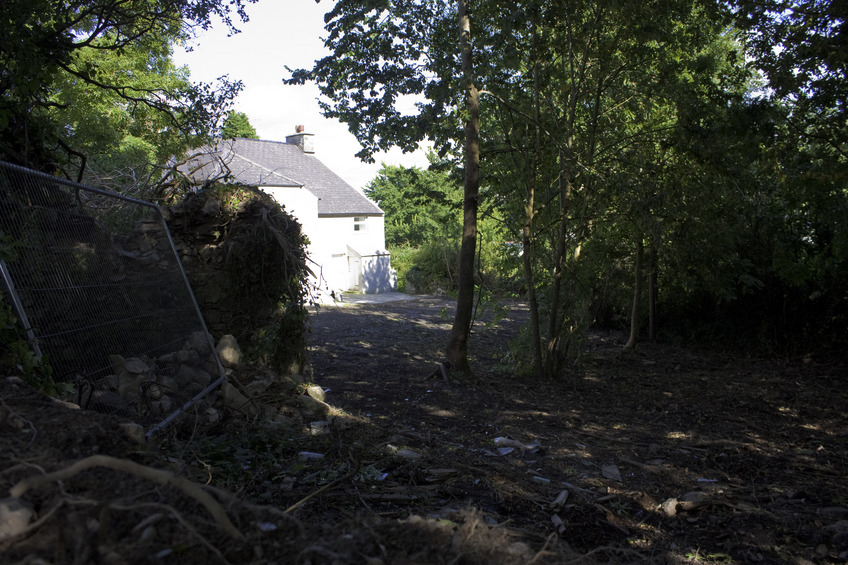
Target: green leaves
{"type": "Point", "coordinates": [384, 78]}
{"type": "Point", "coordinates": [237, 124]}
{"type": "Point", "coordinates": [421, 206]}
{"type": "Point", "coordinates": [606, 122]}
{"type": "Point", "coordinates": [86, 73]}
{"type": "Point", "coordinates": [802, 49]}
{"type": "Point", "coordinates": [16, 357]}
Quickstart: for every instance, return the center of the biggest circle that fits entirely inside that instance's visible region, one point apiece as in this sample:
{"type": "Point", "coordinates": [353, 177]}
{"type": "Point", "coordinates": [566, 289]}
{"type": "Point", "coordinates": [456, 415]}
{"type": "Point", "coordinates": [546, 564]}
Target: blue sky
{"type": "Point", "coordinates": [280, 34]}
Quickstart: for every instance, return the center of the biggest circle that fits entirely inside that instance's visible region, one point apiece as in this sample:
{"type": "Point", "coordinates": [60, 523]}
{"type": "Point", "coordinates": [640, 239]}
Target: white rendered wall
{"type": "Point", "coordinates": [303, 206]}
{"type": "Point", "coordinates": [298, 202]}
{"type": "Point", "coordinates": [344, 258]}
{"type": "Point", "coordinates": [340, 231]}
{"type": "Point", "coordinates": [368, 262]}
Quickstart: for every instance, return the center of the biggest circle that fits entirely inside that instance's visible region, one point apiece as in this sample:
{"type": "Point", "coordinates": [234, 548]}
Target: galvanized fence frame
{"type": "Point", "coordinates": [96, 282]}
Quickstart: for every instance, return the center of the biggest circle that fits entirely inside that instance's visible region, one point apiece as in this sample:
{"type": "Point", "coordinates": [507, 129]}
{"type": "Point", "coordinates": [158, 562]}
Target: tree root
{"type": "Point", "coordinates": [173, 512]}
{"type": "Point", "coordinates": [608, 548]}
{"type": "Point", "coordinates": [543, 551]}
{"type": "Point", "coordinates": [156, 475]}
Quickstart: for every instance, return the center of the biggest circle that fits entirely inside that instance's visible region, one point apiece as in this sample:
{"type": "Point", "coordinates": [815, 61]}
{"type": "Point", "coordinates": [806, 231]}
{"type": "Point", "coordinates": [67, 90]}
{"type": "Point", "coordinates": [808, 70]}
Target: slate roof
{"type": "Point", "coordinates": [256, 162]}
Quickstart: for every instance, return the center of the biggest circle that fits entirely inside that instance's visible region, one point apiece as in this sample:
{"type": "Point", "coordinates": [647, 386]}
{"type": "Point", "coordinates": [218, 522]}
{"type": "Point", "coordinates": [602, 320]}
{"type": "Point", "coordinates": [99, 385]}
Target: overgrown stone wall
{"type": "Point", "coordinates": [246, 261]}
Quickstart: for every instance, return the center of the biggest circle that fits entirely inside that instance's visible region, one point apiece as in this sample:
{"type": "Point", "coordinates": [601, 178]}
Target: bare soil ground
{"type": "Point", "coordinates": [758, 446]}
{"type": "Point", "coordinates": [668, 455]}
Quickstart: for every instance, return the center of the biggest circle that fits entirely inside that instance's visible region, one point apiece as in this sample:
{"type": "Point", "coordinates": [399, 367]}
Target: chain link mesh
{"type": "Point", "coordinates": [95, 279]}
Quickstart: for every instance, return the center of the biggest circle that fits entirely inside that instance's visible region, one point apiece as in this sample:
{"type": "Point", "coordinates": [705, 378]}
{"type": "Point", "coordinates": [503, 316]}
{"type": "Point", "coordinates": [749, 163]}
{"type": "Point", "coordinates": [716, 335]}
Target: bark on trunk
{"type": "Point", "coordinates": [652, 292]}
{"type": "Point", "coordinates": [555, 319]}
{"type": "Point", "coordinates": [457, 349]}
{"type": "Point", "coordinates": [533, 302]}
{"type": "Point", "coordinates": [530, 217]}
{"type": "Point", "coordinates": [637, 292]}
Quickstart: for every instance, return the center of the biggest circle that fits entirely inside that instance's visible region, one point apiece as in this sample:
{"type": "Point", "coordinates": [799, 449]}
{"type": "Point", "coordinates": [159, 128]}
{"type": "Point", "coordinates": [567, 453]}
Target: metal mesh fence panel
{"type": "Point", "coordinates": [96, 280]}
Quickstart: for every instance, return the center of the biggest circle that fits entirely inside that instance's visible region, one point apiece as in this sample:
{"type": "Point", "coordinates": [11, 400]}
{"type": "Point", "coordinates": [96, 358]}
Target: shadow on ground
{"type": "Point", "coordinates": [669, 455]}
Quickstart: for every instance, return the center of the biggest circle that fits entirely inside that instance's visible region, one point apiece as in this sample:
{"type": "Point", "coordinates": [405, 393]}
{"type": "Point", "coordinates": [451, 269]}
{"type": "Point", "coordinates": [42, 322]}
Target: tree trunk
{"type": "Point", "coordinates": [554, 321]}
{"type": "Point", "coordinates": [530, 218]}
{"type": "Point", "coordinates": [533, 301]}
{"type": "Point", "coordinates": [457, 349]}
{"type": "Point", "coordinates": [637, 292]}
{"type": "Point", "coordinates": [652, 292]}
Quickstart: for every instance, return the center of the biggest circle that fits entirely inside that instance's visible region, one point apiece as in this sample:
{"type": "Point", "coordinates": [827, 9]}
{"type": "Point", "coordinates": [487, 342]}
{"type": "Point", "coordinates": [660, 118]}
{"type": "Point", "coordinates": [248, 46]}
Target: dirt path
{"type": "Point", "coordinates": [666, 456]}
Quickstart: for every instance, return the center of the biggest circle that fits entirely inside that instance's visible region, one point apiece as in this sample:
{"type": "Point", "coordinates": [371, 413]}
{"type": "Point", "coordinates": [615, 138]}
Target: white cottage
{"type": "Point", "coordinates": [345, 229]}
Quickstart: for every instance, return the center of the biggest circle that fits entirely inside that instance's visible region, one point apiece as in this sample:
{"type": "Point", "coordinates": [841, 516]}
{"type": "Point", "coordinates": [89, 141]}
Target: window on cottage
{"type": "Point", "coordinates": [359, 223]}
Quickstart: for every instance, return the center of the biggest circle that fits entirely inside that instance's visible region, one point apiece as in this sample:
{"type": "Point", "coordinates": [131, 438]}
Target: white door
{"type": "Point", "coordinates": [354, 269]}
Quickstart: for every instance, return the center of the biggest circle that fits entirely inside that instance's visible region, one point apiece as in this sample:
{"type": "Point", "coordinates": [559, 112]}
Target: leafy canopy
{"type": "Point", "coordinates": [72, 69]}
{"type": "Point", "coordinates": [802, 49]}
{"type": "Point", "coordinates": [390, 74]}
{"type": "Point", "coordinates": [237, 124]}
{"type": "Point", "coordinates": [421, 206]}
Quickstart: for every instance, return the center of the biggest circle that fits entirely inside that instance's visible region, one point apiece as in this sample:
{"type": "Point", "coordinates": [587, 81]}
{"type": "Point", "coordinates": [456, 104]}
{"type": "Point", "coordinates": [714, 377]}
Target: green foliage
{"type": "Point", "coordinates": [429, 269]}
{"type": "Point", "coordinates": [237, 124]}
{"type": "Point", "coordinates": [423, 220]}
{"type": "Point", "coordinates": [16, 356]}
{"type": "Point", "coordinates": [801, 48]}
{"type": "Point", "coordinates": [92, 83]}
{"type": "Point", "coordinates": [423, 215]}
{"type": "Point", "coordinates": [243, 460]}
{"type": "Point", "coordinates": [434, 270]}
{"type": "Point", "coordinates": [383, 55]}
{"type": "Point", "coordinates": [420, 205]}
{"type": "Point", "coordinates": [281, 344]}
{"type": "Point", "coordinates": [18, 359]}
{"type": "Point", "coordinates": [604, 124]}
{"type": "Point", "coordinates": [131, 127]}
{"type": "Point", "coordinates": [498, 269]}
{"type": "Point", "coordinates": [403, 259]}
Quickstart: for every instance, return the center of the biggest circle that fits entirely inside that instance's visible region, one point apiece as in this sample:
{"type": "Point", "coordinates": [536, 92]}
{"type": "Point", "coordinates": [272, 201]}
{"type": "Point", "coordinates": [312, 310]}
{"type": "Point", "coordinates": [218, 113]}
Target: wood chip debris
{"type": "Point", "coordinates": [505, 442]}
{"type": "Point", "coordinates": [611, 472]}
{"type": "Point", "coordinates": [685, 503]}
{"type": "Point", "coordinates": [560, 500]}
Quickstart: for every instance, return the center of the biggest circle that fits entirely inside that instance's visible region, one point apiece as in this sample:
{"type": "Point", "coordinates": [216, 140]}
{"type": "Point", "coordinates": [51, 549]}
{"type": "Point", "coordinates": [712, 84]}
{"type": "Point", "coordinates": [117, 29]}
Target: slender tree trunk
{"type": "Point", "coordinates": [652, 292]}
{"type": "Point", "coordinates": [530, 217]}
{"type": "Point", "coordinates": [637, 292]}
{"type": "Point", "coordinates": [457, 349]}
{"type": "Point", "coordinates": [532, 299]}
{"type": "Point", "coordinates": [576, 71]}
{"type": "Point", "coordinates": [554, 324]}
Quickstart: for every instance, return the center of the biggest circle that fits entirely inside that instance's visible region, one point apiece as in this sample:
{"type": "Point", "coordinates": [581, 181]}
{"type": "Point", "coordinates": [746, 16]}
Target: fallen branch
{"type": "Point", "coordinates": [325, 488]}
{"type": "Point", "coordinates": [156, 475]}
{"type": "Point", "coordinates": [442, 370]}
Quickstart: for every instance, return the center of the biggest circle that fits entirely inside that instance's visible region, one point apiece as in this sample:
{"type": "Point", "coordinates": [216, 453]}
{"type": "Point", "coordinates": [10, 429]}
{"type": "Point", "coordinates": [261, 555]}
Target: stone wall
{"type": "Point", "coordinates": [246, 261]}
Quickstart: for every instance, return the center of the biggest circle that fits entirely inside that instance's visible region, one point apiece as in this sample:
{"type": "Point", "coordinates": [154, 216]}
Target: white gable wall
{"type": "Point", "coordinates": [347, 252]}
{"type": "Point", "coordinates": [298, 202]}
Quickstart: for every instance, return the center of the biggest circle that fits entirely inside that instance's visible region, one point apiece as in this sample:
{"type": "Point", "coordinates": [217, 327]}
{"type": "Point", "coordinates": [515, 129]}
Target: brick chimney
{"type": "Point", "coordinates": [301, 139]}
